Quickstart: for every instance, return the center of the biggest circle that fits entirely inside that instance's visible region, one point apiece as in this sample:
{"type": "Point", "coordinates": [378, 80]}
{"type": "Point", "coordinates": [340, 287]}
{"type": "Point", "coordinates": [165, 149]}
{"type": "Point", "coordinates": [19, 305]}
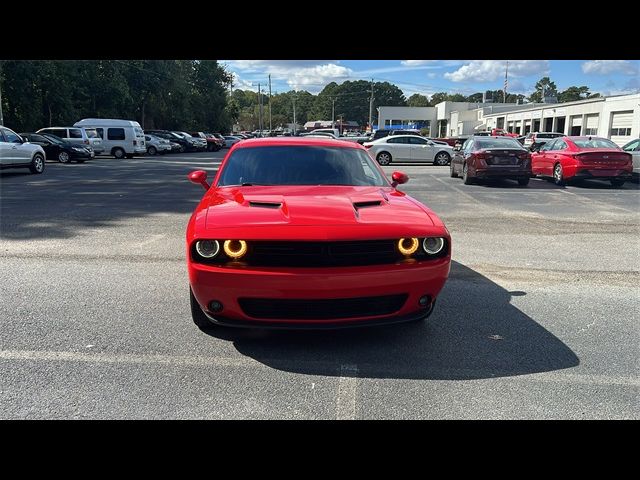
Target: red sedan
{"type": "Point", "coordinates": [309, 233]}
{"type": "Point", "coordinates": [567, 159]}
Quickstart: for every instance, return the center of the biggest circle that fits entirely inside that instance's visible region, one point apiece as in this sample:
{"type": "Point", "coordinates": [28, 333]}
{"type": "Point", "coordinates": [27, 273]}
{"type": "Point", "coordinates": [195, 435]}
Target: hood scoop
{"type": "Point", "coordinates": [265, 204]}
{"type": "Point", "coordinates": [371, 203]}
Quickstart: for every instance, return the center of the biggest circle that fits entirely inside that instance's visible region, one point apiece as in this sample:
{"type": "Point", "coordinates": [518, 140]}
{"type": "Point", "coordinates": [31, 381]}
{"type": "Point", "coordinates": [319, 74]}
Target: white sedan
{"type": "Point", "coordinates": [408, 148]}
{"type": "Point", "coordinates": [230, 140]}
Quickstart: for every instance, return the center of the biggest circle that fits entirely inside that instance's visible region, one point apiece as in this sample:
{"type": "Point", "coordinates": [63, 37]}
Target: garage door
{"type": "Point", "coordinates": [591, 128]}
{"type": "Point", "coordinates": [576, 125]}
{"type": "Point", "coordinates": [621, 123]}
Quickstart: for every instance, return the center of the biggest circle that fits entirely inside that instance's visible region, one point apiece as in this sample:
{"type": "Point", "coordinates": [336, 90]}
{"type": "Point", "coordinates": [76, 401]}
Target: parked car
{"type": "Point", "coordinates": [120, 138]}
{"type": "Point", "coordinates": [230, 141]}
{"type": "Point", "coordinates": [218, 139]}
{"type": "Point", "coordinates": [79, 135]}
{"type": "Point", "coordinates": [408, 148]}
{"type": "Point", "coordinates": [491, 157]}
{"type": "Point", "coordinates": [157, 145]}
{"type": "Point", "coordinates": [58, 149]}
{"type": "Point", "coordinates": [198, 143]}
{"type": "Point", "coordinates": [16, 153]}
{"type": "Point", "coordinates": [275, 243]}
{"type": "Point", "coordinates": [212, 143]}
{"type": "Point", "coordinates": [405, 132]}
{"type": "Point", "coordinates": [633, 147]}
{"type": "Point", "coordinates": [569, 158]}
{"type": "Point", "coordinates": [380, 133]}
{"type": "Point", "coordinates": [535, 140]}
{"type": "Point", "coordinates": [184, 144]}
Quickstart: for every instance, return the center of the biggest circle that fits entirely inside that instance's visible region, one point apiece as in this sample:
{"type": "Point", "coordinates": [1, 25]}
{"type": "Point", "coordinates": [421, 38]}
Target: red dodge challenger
{"type": "Point", "coordinates": [309, 233]}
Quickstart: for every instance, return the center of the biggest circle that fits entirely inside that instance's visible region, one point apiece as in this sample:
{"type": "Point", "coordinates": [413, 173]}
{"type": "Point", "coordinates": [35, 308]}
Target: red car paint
{"type": "Point", "coordinates": [309, 213]}
{"type": "Point", "coordinates": [500, 132]}
{"type": "Point", "coordinates": [577, 162]}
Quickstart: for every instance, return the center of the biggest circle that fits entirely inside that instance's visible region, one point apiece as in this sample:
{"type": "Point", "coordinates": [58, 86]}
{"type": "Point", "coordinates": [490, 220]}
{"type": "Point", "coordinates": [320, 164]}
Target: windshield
{"type": "Point", "coordinates": [503, 142]}
{"type": "Point", "coordinates": [300, 165]}
{"type": "Point", "coordinates": [595, 143]}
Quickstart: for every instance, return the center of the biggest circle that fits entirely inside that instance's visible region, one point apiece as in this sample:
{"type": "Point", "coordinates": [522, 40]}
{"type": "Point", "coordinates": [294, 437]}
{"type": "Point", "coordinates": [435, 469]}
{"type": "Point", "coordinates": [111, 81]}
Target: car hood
{"type": "Point", "coordinates": [312, 206]}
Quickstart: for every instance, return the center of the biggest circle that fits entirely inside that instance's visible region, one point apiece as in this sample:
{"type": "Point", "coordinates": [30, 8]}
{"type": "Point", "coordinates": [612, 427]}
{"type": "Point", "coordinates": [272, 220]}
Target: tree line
{"type": "Point", "coordinates": [198, 95]}
{"type": "Point", "coordinates": [168, 94]}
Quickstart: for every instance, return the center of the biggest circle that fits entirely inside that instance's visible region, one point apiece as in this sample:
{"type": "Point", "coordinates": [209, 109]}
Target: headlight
{"type": "Point", "coordinates": [433, 245]}
{"type": "Point", "coordinates": [207, 248]}
{"type": "Point", "coordinates": [408, 246]}
{"type": "Point", "coordinates": [78, 149]}
{"type": "Point", "coordinates": [235, 248]}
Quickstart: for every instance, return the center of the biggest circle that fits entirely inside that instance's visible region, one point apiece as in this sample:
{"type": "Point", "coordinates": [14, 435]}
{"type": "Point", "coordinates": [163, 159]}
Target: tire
{"type": "Point", "coordinates": [384, 158]}
{"type": "Point", "coordinates": [452, 173]}
{"type": "Point", "coordinates": [466, 179]}
{"type": "Point", "coordinates": [617, 182]}
{"type": "Point", "coordinates": [442, 159]}
{"type": "Point", "coordinates": [182, 149]}
{"type": "Point", "coordinates": [63, 157]}
{"type": "Point", "coordinates": [198, 316]}
{"type": "Point", "coordinates": [558, 175]}
{"type": "Point", "coordinates": [118, 153]}
{"type": "Point", "coordinates": [152, 150]}
{"type": "Point", "coordinates": [523, 182]}
{"type": "Point", "coordinates": [37, 164]}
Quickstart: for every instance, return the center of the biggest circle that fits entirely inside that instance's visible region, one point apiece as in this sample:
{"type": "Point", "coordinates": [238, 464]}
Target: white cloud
{"type": "Point", "coordinates": [314, 78]}
{"type": "Point", "coordinates": [241, 84]}
{"type": "Point", "coordinates": [605, 67]}
{"type": "Point", "coordinates": [414, 63]}
{"type": "Point", "coordinates": [491, 70]}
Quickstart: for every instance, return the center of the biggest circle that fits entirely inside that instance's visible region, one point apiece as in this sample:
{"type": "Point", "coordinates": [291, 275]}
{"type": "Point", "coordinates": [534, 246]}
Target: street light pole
{"type": "Point", "coordinates": [1, 117]}
{"type": "Point", "coordinates": [294, 115]}
{"type": "Point", "coordinates": [371, 107]}
{"type": "Point", "coordinates": [270, 104]}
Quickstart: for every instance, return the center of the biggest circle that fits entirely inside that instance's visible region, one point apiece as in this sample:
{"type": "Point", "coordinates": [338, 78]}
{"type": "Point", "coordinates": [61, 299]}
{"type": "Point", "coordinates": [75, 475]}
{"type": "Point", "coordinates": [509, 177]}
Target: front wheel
{"type": "Point", "coordinates": [63, 157]}
{"type": "Point", "coordinates": [198, 316]}
{"type": "Point", "coordinates": [182, 149]}
{"type": "Point", "coordinates": [118, 153]}
{"type": "Point", "coordinates": [617, 182]}
{"type": "Point", "coordinates": [37, 164]}
{"type": "Point", "coordinates": [384, 158]}
{"type": "Point", "coordinates": [442, 159]}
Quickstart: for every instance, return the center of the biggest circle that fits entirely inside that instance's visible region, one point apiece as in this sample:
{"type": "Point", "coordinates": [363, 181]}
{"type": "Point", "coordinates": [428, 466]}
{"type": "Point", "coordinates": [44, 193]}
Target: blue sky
{"type": "Point", "coordinates": [608, 77]}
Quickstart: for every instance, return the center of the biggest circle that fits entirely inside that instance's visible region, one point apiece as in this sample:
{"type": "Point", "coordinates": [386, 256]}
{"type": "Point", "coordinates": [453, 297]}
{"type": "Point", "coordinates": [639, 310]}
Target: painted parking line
{"type": "Point", "coordinates": [347, 393]}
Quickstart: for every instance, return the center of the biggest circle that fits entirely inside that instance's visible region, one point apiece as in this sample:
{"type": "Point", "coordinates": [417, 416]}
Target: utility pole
{"type": "Point", "coordinates": [294, 115]}
{"type": "Point", "coordinates": [341, 124]}
{"type": "Point", "coordinates": [333, 112]}
{"type": "Point", "coordinates": [259, 110]}
{"type": "Point", "coordinates": [371, 107]}
{"type": "Point", "coordinates": [1, 117]}
{"type": "Point", "coordinates": [269, 104]}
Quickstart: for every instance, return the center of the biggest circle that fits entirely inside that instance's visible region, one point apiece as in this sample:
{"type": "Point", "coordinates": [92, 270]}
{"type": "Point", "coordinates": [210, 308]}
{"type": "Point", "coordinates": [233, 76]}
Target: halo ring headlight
{"type": "Point", "coordinates": [235, 248]}
{"type": "Point", "coordinates": [207, 248]}
{"type": "Point", "coordinates": [433, 245]}
{"type": "Point", "coordinates": [408, 246]}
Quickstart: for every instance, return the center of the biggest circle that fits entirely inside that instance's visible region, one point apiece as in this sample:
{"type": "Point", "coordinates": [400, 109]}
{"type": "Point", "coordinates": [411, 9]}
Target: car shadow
{"type": "Point", "coordinates": [475, 332]}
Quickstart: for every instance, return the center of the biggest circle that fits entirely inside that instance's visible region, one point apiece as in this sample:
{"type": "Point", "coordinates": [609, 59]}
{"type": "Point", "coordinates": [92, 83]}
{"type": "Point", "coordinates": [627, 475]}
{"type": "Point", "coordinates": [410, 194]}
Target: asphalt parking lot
{"type": "Point", "coordinates": [539, 319]}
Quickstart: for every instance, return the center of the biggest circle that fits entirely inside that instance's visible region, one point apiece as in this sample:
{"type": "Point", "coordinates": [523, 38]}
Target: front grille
{"type": "Point", "coordinates": [322, 254]}
{"type": "Point", "coordinates": [326, 309]}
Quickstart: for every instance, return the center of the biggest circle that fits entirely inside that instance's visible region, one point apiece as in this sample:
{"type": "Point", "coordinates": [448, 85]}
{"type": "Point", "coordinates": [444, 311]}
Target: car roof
{"type": "Point", "coordinates": [296, 141]}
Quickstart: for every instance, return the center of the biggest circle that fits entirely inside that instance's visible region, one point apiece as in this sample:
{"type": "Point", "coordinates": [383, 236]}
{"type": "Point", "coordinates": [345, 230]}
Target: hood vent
{"type": "Point", "coordinates": [374, 203]}
{"type": "Point", "coordinates": [265, 204]}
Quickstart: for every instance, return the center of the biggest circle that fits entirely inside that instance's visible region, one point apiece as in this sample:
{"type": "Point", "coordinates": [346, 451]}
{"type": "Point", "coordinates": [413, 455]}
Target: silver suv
{"type": "Point", "coordinates": [15, 153]}
{"type": "Point", "coordinates": [83, 135]}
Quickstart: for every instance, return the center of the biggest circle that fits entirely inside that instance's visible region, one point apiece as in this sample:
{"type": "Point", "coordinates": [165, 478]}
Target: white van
{"type": "Point", "coordinates": [120, 138]}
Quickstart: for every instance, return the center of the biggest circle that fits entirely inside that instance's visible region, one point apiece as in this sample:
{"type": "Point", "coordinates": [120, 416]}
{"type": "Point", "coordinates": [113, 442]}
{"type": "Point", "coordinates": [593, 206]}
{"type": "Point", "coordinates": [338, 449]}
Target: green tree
{"type": "Point", "coordinates": [417, 100]}
{"type": "Point", "coordinates": [543, 88]}
{"type": "Point", "coordinates": [572, 94]}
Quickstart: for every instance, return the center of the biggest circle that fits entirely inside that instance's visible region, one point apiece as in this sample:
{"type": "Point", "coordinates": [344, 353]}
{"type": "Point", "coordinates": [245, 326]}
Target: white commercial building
{"type": "Point", "coordinates": [617, 118]}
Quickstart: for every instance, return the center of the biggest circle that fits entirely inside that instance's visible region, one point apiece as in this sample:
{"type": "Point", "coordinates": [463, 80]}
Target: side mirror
{"type": "Point", "coordinates": [399, 178]}
{"type": "Point", "coordinates": [199, 177]}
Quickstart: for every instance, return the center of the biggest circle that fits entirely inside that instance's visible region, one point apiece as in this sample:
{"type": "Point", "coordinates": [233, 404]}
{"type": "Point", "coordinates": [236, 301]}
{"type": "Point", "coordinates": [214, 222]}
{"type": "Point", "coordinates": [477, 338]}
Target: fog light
{"type": "Point", "coordinates": [235, 248]}
{"type": "Point", "coordinates": [424, 301]}
{"type": "Point", "coordinates": [408, 246]}
{"type": "Point", "coordinates": [215, 306]}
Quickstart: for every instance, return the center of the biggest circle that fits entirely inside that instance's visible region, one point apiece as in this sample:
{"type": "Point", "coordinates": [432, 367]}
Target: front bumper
{"type": "Point", "coordinates": [227, 285]}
